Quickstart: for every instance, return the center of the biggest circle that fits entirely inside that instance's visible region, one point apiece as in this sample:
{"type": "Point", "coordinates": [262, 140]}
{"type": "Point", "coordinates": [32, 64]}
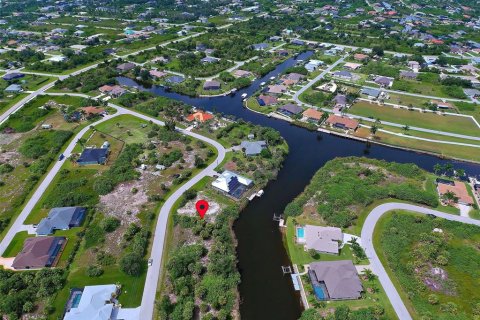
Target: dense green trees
{"type": "Point", "coordinates": [343, 186]}
{"type": "Point", "coordinates": [123, 169]}
{"type": "Point", "coordinates": [19, 291]}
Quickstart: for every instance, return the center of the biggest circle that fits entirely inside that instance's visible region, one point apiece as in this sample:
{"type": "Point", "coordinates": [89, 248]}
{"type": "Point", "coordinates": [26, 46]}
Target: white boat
{"type": "Point", "coordinates": [244, 95]}
{"type": "Point", "coordinates": [260, 193]}
{"type": "Point", "coordinates": [263, 83]}
{"type": "Point", "coordinates": [272, 78]}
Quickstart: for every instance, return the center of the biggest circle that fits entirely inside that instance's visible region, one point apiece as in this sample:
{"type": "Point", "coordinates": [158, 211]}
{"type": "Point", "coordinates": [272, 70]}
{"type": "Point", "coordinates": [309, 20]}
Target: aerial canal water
{"type": "Point", "coordinates": [265, 292]}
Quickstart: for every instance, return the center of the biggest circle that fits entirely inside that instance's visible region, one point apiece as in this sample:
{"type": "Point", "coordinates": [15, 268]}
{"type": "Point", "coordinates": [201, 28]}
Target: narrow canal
{"type": "Point", "coordinates": [265, 292]}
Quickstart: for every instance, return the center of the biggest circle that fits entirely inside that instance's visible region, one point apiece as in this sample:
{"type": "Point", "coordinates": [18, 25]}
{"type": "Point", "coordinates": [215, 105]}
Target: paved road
{"type": "Point", "coordinates": [153, 273]}
{"type": "Point", "coordinates": [416, 94]}
{"type": "Point", "coordinates": [317, 78]}
{"type": "Point", "coordinates": [158, 239]}
{"type": "Point", "coordinates": [393, 124]}
{"type": "Point", "coordinates": [376, 265]}
{"type": "Point", "coordinates": [18, 224]}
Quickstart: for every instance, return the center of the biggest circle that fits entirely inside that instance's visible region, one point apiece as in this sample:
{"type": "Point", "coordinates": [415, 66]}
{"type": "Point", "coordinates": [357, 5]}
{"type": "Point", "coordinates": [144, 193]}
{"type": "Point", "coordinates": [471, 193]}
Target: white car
{"type": "Point", "coordinates": [150, 262]}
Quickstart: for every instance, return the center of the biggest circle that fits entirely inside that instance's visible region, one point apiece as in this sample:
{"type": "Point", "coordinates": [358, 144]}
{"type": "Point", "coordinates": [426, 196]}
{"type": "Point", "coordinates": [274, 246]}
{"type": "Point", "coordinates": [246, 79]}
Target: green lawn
{"type": "Point", "coordinates": [432, 121]}
{"type": "Point", "coordinates": [299, 256]}
{"type": "Point", "coordinates": [17, 244]}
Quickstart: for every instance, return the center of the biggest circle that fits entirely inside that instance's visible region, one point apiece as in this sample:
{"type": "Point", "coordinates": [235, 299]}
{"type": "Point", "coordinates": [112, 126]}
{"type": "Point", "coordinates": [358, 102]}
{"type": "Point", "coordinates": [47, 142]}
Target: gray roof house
{"type": "Point", "coordinates": [408, 75]}
{"type": "Point", "coordinates": [322, 239]}
{"type": "Point", "coordinates": [209, 60]}
{"type": "Point", "coordinates": [260, 46]}
{"type": "Point", "coordinates": [290, 109]}
{"type": "Point", "coordinates": [125, 66]}
{"type": "Point", "coordinates": [340, 279]}
{"type": "Point", "coordinates": [61, 219]}
{"type": "Point", "coordinates": [371, 93]}
{"type": "Point", "coordinates": [175, 79]}
{"type": "Point", "coordinates": [384, 81]}
{"type": "Point", "coordinates": [14, 88]}
{"type": "Point", "coordinates": [211, 85]}
{"type": "Point", "coordinates": [343, 74]}
{"type": "Point", "coordinates": [253, 148]}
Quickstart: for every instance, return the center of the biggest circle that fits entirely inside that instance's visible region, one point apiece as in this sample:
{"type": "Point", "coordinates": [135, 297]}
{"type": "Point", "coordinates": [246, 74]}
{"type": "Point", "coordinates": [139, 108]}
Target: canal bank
{"type": "Point", "coordinates": [265, 292]}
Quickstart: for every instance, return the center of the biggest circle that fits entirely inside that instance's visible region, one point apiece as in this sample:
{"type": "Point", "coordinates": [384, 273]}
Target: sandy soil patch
{"type": "Point", "coordinates": [11, 157]}
{"type": "Point", "coordinates": [6, 263]}
{"type": "Point", "coordinates": [124, 204]}
{"type": "Point", "coordinates": [189, 209]}
{"type": "Point", "coordinates": [9, 138]}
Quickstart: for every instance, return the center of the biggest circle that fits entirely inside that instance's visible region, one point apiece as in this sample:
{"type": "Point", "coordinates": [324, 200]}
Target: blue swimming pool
{"type": "Point", "coordinates": [76, 300]}
{"type": "Point", "coordinates": [300, 233]}
{"type": "Point", "coordinates": [320, 292]}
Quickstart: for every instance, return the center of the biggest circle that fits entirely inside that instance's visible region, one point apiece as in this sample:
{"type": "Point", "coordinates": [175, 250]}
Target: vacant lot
{"type": "Point", "coordinates": [436, 273]}
{"type": "Point", "coordinates": [432, 121]}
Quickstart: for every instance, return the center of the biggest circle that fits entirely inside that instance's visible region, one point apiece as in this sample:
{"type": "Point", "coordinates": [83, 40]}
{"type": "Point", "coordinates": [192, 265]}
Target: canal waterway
{"type": "Point", "coordinates": [265, 292]}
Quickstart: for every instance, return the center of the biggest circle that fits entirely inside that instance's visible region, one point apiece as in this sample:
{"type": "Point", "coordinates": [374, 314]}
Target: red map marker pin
{"type": "Point", "coordinates": [202, 207]}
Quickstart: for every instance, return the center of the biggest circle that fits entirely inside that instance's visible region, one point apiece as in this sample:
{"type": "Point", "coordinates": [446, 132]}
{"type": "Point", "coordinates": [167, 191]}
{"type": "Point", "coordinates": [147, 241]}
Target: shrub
{"type": "Point", "coordinates": [132, 264]}
{"type": "Point", "coordinates": [94, 271]}
{"type": "Point", "coordinates": [110, 224]}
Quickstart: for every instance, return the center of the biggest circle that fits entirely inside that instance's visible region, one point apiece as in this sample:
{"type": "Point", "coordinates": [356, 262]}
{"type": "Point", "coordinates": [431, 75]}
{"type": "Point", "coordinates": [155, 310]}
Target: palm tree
{"type": "Point", "coordinates": [368, 274]}
{"type": "Point", "coordinates": [406, 128]}
{"type": "Point", "coordinates": [437, 168]}
{"type": "Point", "coordinates": [373, 129]}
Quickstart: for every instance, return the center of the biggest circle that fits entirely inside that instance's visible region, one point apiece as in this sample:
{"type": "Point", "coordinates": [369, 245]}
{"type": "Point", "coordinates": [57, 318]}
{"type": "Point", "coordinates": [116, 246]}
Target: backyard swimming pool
{"type": "Point", "coordinates": [300, 234]}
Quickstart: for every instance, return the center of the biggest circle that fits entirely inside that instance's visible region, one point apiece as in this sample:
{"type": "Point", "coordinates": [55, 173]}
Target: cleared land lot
{"type": "Point", "coordinates": [455, 124]}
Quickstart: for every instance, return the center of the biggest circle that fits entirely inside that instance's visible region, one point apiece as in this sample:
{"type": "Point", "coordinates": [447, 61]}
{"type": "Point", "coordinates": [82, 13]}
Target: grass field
{"type": "Point", "coordinates": [16, 245]}
{"type": "Point", "coordinates": [394, 250]}
{"type": "Point", "coordinates": [443, 150]}
{"type": "Point", "coordinates": [432, 121]}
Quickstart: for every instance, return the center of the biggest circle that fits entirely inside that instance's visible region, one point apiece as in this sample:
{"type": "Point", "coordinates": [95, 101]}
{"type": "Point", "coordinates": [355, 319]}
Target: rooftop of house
{"type": "Point", "coordinates": [61, 219]}
{"type": "Point", "coordinates": [458, 189]}
{"type": "Point", "coordinates": [342, 121]}
{"type": "Point", "coordinates": [313, 114]}
{"type": "Point", "coordinates": [38, 252]}
{"type": "Point", "coordinates": [253, 147]}
{"type": "Point", "coordinates": [340, 278]}
{"type": "Point", "coordinates": [291, 108]}
{"type": "Point", "coordinates": [200, 116]}
{"type": "Point", "coordinates": [95, 303]}
{"type": "Point", "coordinates": [93, 155]}
{"type": "Point", "coordinates": [323, 239]}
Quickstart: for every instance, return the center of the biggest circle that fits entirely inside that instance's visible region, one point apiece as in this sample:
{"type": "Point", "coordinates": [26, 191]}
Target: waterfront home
{"type": "Point", "coordinates": [232, 184]}
{"type": "Point", "coordinates": [211, 85]}
{"type": "Point", "coordinates": [335, 280]}
{"type": "Point", "coordinates": [320, 239]}
{"type": "Point", "coordinates": [340, 122]}
{"type": "Point", "coordinates": [276, 89]}
{"type": "Point", "coordinates": [290, 109]}
{"type": "Point", "coordinates": [253, 148]}
{"type": "Point", "coordinates": [458, 189]}
{"type": "Point", "coordinates": [241, 73]}
{"type": "Point", "coordinates": [113, 91]}
{"type": "Point", "coordinates": [175, 79]}
{"type": "Point", "coordinates": [266, 100]}
{"type": "Point", "coordinates": [157, 74]}
{"type": "Point", "coordinates": [313, 65]}
{"type": "Point", "coordinates": [199, 116]}
{"type": "Point", "coordinates": [312, 115]}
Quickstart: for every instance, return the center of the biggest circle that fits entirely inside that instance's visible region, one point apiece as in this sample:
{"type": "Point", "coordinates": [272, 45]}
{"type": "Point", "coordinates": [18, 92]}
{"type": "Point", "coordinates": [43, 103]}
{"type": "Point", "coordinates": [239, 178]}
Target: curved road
{"type": "Point", "coordinates": [158, 239]}
{"type": "Point", "coordinates": [376, 265]}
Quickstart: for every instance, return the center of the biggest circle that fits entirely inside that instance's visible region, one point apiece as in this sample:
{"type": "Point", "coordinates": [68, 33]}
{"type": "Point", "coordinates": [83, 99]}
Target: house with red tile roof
{"type": "Point", "coordinates": [340, 122]}
{"type": "Point", "coordinates": [199, 116]}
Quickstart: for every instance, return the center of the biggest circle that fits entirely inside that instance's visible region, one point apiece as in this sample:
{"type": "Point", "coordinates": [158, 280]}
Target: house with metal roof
{"type": "Point", "coordinates": [253, 148]}
{"type": "Point", "coordinates": [335, 280]}
{"type": "Point", "coordinates": [175, 79]}
{"type": "Point", "coordinates": [39, 252]}
{"type": "Point", "coordinates": [232, 183]}
{"type": "Point", "coordinates": [290, 109]}
{"type": "Point", "coordinates": [61, 219]}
